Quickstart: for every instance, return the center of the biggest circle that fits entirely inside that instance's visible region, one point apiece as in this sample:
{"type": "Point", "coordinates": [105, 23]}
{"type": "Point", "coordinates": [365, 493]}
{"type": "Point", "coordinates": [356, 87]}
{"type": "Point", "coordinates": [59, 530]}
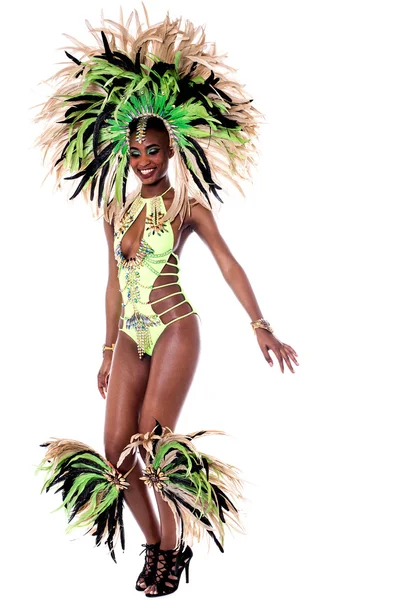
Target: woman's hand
{"type": "Point", "coordinates": [104, 373]}
{"type": "Point", "coordinates": [283, 352]}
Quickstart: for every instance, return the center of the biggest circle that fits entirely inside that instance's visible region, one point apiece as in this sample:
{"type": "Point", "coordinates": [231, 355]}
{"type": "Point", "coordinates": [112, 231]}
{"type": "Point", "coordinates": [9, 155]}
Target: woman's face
{"type": "Point", "coordinates": [149, 159]}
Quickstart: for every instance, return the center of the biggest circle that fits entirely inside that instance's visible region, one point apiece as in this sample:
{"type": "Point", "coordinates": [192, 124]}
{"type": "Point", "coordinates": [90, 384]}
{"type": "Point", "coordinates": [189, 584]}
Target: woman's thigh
{"type": "Point", "coordinates": [172, 368]}
{"type": "Point", "coordinates": [126, 390]}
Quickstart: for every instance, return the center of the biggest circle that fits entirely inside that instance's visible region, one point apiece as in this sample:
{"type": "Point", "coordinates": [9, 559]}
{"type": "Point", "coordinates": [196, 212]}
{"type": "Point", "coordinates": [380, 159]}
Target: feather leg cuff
{"type": "Point", "coordinates": [91, 489]}
{"type": "Point", "coordinates": [202, 492]}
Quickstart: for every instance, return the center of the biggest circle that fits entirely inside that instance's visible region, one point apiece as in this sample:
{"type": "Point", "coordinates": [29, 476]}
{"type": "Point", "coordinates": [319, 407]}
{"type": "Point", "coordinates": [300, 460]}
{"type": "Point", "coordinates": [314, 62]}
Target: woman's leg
{"type": "Point", "coordinates": [173, 365]}
{"type": "Point", "coordinates": [126, 390]}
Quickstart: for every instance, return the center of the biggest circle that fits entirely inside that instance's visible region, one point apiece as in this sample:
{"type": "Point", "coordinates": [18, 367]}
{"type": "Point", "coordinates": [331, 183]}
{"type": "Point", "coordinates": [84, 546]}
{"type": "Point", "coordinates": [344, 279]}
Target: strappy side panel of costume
{"type": "Point", "coordinates": [179, 293]}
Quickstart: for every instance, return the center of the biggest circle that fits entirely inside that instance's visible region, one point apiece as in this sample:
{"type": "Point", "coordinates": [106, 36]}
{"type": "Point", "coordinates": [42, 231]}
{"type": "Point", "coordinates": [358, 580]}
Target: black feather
{"type": "Point", "coordinates": [137, 61]}
{"type": "Point", "coordinates": [203, 165]}
{"type": "Point", "coordinates": [125, 61]}
{"type": "Point", "coordinates": [77, 107]}
{"type": "Point", "coordinates": [194, 177]}
{"type": "Point", "coordinates": [158, 428]}
{"type": "Point", "coordinates": [91, 169]}
{"type": "Point", "coordinates": [160, 68]}
{"type": "Point", "coordinates": [197, 434]}
{"type": "Point", "coordinates": [87, 461]}
{"type": "Point", "coordinates": [221, 503]}
{"type": "Point", "coordinates": [125, 181]}
{"type": "Point", "coordinates": [111, 528]}
{"type": "Point", "coordinates": [100, 523]}
{"type": "Point", "coordinates": [120, 508]}
{"type": "Point", "coordinates": [100, 189]}
{"type": "Point", "coordinates": [227, 502]}
{"type": "Point", "coordinates": [84, 98]}
{"type": "Point", "coordinates": [157, 431]}
{"type": "Point", "coordinates": [106, 45]}
{"type": "Point", "coordinates": [202, 158]}
{"type": "Point", "coordinates": [92, 188]}
{"type": "Point", "coordinates": [206, 467]}
{"type": "Point", "coordinates": [196, 512]}
{"type": "Point", "coordinates": [75, 60]}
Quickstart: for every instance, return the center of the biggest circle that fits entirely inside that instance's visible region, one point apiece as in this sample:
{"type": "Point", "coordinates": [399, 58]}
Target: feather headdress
{"type": "Point", "coordinates": [167, 71]}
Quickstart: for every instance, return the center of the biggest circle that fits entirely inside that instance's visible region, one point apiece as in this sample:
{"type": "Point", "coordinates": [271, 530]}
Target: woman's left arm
{"type": "Point", "coordinates": [203, 222]}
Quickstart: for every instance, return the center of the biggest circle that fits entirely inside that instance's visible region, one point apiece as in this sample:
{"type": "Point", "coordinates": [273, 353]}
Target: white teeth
{"type": "Point", "coordinates": [146, 171]}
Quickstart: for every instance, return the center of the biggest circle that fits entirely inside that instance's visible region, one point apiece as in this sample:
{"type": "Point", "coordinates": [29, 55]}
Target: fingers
{"type": "Point", "coordinates": [292, 353]}
{"type": "Point", "coordinates": [284, 354]}
{"type": "Point", "coordinates": [101, 385]}
{"type": "Point", "coordinates": [290, 349]}
{"type": "Point", "coordinates": [103, 377]}
{"type": "Point", "coordinates": [268, 358]}
{"type": "Point", "coordinates": [287, 361]}
{"type": "Point", "coordinates": [288, 354]}
{"type": "Point", "coordinates": [278, 354]}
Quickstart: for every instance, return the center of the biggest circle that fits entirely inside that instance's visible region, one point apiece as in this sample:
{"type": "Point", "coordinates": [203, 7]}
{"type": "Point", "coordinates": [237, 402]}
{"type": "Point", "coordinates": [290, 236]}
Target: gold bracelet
{"type": "Point", "coordinates": [108, 347]}
{"type": "Point", "coordinates": [263, 324]}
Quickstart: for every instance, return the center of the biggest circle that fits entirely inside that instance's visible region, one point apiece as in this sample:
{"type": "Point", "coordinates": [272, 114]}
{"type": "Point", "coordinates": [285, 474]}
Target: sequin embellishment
{"type": "Point", "coordinates": [155, 223]}
{"type": "Point", "coordinates": [140, 322]}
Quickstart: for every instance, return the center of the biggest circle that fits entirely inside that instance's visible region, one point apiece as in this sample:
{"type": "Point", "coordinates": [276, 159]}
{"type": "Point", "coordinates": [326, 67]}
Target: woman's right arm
{"type": "Point", "coordinates": [113, 310]}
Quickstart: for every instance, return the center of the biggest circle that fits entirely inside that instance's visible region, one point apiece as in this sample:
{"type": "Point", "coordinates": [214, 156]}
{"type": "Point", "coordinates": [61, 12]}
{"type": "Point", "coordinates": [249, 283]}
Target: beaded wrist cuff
{"type": "Point", "coordinates": [263, 324]}
{"type": "Point", "coordinates": [108, 347]}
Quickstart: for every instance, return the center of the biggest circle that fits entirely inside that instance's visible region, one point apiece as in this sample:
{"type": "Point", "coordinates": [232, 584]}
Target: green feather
{"type": "Point", "coordinates": [168, 446]}
{"type": "Point", "coordinates": [177, 59]}
{"type": "Point", "coordinates": [79, 138]}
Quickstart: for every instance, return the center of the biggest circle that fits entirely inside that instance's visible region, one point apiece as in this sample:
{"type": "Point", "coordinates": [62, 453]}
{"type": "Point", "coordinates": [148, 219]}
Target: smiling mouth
{"type": "Point", "coordinates": [146, 171]}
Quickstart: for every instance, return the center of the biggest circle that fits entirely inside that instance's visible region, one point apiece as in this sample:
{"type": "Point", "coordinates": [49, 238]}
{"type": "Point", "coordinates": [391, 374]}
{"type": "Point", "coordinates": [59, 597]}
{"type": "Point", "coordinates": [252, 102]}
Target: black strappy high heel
{"type": "Point", "coordinates": [150, 565]}
{"type": "Point", "coordinates": [172, 563]}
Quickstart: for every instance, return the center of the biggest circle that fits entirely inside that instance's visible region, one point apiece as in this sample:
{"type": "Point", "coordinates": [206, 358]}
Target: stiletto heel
{"type": "Point", "coordinates": [172, 564]}
{"type": "Point", "coordinates": [187, 571]}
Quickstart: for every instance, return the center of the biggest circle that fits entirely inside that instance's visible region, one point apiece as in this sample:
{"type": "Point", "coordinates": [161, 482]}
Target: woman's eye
{"type": "Point", "coordinates": [135, 154]}
{"type": "Point", "coordinates": [153, 151]}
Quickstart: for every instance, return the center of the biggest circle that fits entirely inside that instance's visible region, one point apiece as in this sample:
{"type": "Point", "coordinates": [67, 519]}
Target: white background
{"type": "Point", "coordinates": [318, 237]}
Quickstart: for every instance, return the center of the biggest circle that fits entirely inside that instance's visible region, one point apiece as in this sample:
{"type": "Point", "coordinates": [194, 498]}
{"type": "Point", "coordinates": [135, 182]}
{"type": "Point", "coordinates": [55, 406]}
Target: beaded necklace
{"type": "Point", "coordinates": [154, 222]}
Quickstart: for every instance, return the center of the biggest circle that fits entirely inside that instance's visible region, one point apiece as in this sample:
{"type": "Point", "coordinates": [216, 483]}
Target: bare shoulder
{"type": "Point", "coordinates": [200, 216]}
{"type": "Point", "coordinates": [109, 231]}
{"type": "Point", "coordinates": [107, 225]}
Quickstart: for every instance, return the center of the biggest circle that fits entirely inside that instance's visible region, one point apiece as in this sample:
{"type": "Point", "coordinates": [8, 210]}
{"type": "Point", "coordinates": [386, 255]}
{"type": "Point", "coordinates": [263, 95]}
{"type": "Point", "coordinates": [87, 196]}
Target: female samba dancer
{"type": "Point", "coordinates": [156, 386]}
{"type": "Point", "coordinates": [137, 102]}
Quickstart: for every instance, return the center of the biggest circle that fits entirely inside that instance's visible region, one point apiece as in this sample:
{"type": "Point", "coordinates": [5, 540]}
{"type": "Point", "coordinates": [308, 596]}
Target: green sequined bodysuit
{"type": "Point", "coordinates": [137, 275]}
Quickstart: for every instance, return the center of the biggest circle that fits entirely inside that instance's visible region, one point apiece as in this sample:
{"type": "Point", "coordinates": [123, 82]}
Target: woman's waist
{"type": "Point", "coordinates": [145, 298]}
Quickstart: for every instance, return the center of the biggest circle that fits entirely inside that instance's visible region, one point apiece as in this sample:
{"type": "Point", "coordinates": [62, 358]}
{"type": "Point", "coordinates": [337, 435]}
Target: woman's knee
{"type": "Point", "coordinates": [146, 423]}
{"type": "Point", "coordinates": [113, 447]}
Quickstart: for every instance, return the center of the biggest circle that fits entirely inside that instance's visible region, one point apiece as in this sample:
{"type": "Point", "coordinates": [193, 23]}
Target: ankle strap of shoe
{"type": "Point", "coordinates": [149, 547]}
